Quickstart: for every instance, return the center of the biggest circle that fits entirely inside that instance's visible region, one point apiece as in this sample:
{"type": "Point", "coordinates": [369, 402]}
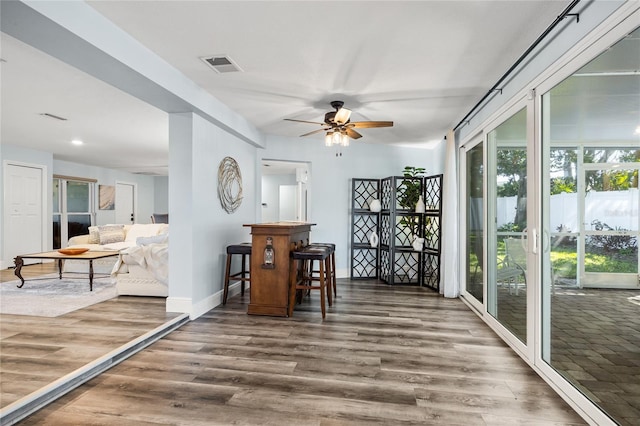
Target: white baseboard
{"type": "Point", "coordinates": [179, 304]}
{"type": "Point", "coordinates": [186, 305]}
{"type": "Point", "coordinates": [342, 273]}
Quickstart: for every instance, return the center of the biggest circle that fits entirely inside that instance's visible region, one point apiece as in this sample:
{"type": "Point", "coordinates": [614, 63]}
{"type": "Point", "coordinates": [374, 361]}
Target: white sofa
{"type": "Point", "coordinates": [141, 269]}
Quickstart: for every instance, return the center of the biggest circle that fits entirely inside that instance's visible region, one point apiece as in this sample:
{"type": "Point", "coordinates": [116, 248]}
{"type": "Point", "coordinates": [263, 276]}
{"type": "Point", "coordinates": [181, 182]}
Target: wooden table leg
{"type": "Point", "coordinates": [60, 268]}
{"type": "Point", "coordinates": [90, 274]}
{"type": "Point", "coordinates": [19, 263]}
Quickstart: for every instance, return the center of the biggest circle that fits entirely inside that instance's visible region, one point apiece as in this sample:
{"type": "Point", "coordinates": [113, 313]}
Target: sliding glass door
{"type": "Point", "coordinates": [590, 204]}
{"type": "Point", "coordinates": [507, 224]}
{"type": "Point", "coordinates": [551, 224]}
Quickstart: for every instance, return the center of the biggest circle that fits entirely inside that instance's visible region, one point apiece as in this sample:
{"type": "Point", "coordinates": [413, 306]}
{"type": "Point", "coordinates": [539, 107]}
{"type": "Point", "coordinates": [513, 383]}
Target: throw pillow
{"type": "Point", "coordinates": [94, 235]}
{"type": "Point", "coordinates": [111, 234]}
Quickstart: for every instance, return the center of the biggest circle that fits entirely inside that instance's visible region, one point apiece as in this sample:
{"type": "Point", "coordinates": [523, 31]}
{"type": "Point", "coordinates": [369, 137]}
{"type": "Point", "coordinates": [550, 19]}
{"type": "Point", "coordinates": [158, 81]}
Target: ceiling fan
{"type": "Point", "coordinates": [338, 122]}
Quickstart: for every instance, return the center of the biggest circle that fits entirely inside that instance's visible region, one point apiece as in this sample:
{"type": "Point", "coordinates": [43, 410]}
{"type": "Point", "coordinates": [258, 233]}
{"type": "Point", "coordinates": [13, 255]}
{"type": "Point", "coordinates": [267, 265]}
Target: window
{"type": "Point", "coordinates": [72, 208]}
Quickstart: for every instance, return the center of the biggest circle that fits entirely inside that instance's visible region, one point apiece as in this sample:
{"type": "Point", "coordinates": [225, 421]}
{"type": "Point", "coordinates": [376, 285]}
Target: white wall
{"type": "Point", "coordinates": [200, 228]}
{"type": "Point", "coordinates": [161, 194]}
{"type": "Point", "coordinates": [330, 182]}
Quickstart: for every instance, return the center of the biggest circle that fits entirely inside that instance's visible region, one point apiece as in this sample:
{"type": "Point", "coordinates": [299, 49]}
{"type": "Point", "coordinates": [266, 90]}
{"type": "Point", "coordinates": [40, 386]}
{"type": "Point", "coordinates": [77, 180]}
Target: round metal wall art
{"type": "Point", "coordinates": [229, 184]}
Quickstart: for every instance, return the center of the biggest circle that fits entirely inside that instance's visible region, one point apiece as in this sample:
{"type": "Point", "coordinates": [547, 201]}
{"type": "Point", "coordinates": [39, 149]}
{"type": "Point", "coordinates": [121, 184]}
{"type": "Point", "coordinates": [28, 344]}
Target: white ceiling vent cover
{"type": "Point", "coordinates": [221, 64]}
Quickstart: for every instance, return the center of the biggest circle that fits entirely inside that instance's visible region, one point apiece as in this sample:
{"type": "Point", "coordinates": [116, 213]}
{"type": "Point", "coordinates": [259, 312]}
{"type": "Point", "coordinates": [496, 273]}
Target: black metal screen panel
{"type": "Point", "coordinates": [431, 231]}
{"type": "Point", "coordinates": [364, 223]}
{"type": "Point", "coordinates": [364, 191]}
{"type": "Point", "coordinates": [385, 266]}
{"type": "Point", "coordinates": [385, 229]}
{"type": "Point", "coordinates": [401, 187]}
{"type": "Point", "coordinates": [363, 227]}
{"type": "Point", "coordinates": [364, 263]}
{"type": "Point", "coordinates": [433, 192]}
{"type": "Point", "coordinates": [405, 268]}
{"type": "Point", "coordinates": [405, 228]}
{"type": "Point", "coordinates": [431, 271]}
{"type": "Point", "coordinates": [386, 193]}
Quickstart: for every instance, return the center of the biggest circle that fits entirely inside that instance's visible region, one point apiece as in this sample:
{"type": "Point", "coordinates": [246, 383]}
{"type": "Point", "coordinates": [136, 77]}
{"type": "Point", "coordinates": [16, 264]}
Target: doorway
{"type": "Point", "coordinates": [125, 203]}
{"type": "Point", "coordinates": [25, 210]}
{"type": "Point", "coordinates": [285, 190]}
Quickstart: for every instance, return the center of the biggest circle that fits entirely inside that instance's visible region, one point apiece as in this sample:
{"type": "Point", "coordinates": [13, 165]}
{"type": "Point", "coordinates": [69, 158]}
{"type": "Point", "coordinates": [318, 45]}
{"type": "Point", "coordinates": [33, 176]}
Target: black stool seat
{"type": "Point", "coordinates": [311, 253]}
{"type": "Point", "coordinates": [330, 246]}
{"type": "Point", "coordinates": [243, 249]}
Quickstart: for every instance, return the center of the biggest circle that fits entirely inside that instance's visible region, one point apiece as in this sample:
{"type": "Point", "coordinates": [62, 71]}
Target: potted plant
{"type": "Point", "coordinates": [410, 192]}
{"type": "Point", "coordinates": [411, 189]}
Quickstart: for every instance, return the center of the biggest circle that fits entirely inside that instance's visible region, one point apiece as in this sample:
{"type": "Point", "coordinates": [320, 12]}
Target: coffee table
{"type": "Point", "coordinates": [89, 256]}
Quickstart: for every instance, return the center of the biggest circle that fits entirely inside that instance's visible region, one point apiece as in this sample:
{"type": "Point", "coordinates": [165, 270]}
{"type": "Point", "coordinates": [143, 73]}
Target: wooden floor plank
{"type": "Point", "coordinates": [384, 355]}
{"type": "Point", "coordinates": [35, 351]}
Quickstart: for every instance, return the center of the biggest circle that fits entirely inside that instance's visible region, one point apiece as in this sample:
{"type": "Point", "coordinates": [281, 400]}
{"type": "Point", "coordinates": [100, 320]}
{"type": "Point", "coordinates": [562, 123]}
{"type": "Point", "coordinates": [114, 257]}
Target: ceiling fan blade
{"type": "Point", "coordinates": [315, 131]}
{"type": "Point", "coordinates": [353, 134]}
{"type": "Point", "coordinates": [370, 124]}
{"type": "Point", "coordinates": [305, 121]}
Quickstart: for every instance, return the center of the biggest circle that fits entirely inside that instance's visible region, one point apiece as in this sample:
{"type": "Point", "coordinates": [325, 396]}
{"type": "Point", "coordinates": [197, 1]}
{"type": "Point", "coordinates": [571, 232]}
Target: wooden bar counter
{"type": "Point", "coordinates": [270, 275]}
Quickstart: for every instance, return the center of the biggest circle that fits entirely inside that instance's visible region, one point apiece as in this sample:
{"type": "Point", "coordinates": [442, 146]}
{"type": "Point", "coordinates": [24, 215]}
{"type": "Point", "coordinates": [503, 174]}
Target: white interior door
{"type": "Point", "coordinates": [288, 202]}
{"type": "Point", "coordinates": [125, 203]}
{"type": "Point", "coordinates": [23, 223]}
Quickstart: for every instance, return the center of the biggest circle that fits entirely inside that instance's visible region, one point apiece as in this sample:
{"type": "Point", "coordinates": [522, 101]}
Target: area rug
{"type": "Point", "coordinates": [50, 296]}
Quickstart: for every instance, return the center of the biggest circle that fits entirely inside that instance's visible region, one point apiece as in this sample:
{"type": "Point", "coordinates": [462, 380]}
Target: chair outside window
{"type": "Point", "coordinates": [160, 218]}
{"type": "Point", "coordinates": [514, 264]}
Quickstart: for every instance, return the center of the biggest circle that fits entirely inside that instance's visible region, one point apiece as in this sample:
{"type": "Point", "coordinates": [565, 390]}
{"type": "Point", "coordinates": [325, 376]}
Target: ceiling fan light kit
{"type": "Point", "coordinates": [342, 116]}
{"type": "Point", "coordinates": [336, 138]}
{"type": "Point", "coordinates": [338, 126]}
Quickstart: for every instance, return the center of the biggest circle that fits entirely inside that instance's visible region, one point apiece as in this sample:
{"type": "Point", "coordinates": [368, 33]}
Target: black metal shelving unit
{"type": "Point", "coordinates": [394, 260]}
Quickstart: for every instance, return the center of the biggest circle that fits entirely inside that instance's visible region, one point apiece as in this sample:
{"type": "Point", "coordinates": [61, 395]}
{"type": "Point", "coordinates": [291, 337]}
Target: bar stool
{"type": "Point", "coordinates": [301, 279]}
{"type": "Point", "coordinates": [243, 249]}
{"type": "Point", "coordinates": [332, 272]}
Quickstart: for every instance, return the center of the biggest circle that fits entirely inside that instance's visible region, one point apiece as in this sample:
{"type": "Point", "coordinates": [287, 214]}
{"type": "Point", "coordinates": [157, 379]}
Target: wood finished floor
{"type": "Point", "coordinates": [384, 355]}
{"type": "Point", "coordinates": [35, 351]}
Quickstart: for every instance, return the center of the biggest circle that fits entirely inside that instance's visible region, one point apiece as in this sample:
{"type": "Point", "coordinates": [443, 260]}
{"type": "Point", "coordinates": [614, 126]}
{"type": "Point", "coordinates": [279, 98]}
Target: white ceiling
{"type": "Point", "coordinates": [422, 64]}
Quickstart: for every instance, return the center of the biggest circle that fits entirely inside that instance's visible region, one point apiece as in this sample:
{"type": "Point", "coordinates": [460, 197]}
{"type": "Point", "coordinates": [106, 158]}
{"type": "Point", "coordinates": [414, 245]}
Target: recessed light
{"type": "Point", "coordinates": [77, 142]}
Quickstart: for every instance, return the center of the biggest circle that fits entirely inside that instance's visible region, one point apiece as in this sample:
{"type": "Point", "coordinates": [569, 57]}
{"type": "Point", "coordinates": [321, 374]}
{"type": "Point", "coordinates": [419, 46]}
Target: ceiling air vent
{"type": "Point", "coordinates": [57, 117]}
{"type": "Point", "coordinates": [221, 64]}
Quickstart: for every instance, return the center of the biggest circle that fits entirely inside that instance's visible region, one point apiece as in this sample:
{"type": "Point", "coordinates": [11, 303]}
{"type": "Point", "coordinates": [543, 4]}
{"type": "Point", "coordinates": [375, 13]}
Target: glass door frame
{"type": "Point", "coordinates": [478, 305]}
{"type": "Point", "coordinates": [526, 102]}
